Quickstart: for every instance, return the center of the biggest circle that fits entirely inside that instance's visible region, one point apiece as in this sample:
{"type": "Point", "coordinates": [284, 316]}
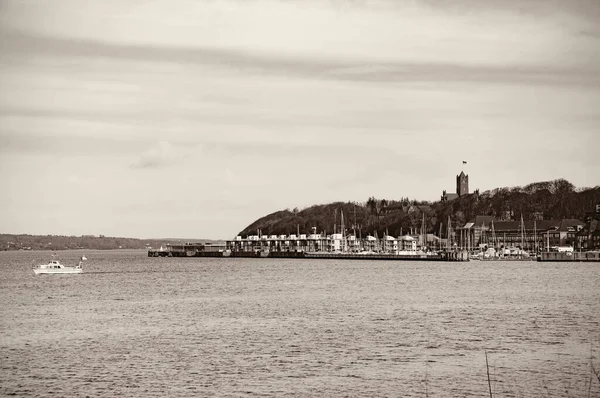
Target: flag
{"type": "Point", "coordinates": [464, 162]}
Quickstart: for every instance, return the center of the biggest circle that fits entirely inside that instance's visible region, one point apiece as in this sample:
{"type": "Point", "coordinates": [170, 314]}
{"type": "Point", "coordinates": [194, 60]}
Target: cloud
{"type": "Point", "coordinates": [159, 155]}
{"type": "Point", "coordinates": [465, 32]}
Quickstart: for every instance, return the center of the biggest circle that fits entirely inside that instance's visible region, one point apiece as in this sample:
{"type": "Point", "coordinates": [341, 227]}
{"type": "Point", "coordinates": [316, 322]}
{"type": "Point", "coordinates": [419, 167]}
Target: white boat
{"type": "Point", "coordinates": [55, 267]}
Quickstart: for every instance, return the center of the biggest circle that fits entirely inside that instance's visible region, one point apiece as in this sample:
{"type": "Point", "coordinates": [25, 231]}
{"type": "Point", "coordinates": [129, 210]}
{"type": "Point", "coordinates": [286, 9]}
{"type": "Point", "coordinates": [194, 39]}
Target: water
{"type": "Point", "coordinates": [136, 326]}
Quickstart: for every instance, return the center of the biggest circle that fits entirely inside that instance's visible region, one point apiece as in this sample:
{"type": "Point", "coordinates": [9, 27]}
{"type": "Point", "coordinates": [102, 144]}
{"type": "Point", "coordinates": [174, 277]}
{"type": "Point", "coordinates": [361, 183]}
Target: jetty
{"type": "Point", "coordinates": [219, 251]}
{"type": "Point", "coordinates": [571, 256]}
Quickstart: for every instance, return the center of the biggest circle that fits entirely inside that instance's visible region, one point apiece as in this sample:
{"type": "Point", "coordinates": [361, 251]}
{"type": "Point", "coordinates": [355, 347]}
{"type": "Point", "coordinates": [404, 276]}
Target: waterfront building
{"type": "Point", "coordinates": [189, 249]}
{"type": "Point", "coordinates": [485, 231]}
{"type": "Point", "coordinates": [335, 242]}
{"type": "Point", "coordinates": [408, 243]}
{"type": "Point", "coordinates": [390, 244]}
{"type": "Point", "coordinates": [371, 244]}
{"type": "Point", "coordinates": [353, 244]}
{"type": "Point", "coordinates": [588, 238]}
{"type": "Point", "coordinates": [319, 242]}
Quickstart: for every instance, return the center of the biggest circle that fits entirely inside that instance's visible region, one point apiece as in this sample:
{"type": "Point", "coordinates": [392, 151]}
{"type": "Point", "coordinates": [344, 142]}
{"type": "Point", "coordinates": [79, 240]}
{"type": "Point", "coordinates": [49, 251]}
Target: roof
{"type": "Point", "coordinates": [569, 223]}
{"type": "Point", "coordinates": [542, 225]}
{"type": "Point", "coordinates": [450, 196]}
{"type": "Point", "coordinates": [482, 220]}
{"type": "Point", "coordinates": [593, 229]}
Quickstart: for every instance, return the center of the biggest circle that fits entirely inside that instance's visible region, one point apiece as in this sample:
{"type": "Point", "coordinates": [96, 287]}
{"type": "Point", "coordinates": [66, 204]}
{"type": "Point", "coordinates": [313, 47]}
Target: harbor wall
{"type": "Point", "coordinates": [445, 256]}
{"type": "Point", "coordinates": [569, 257]}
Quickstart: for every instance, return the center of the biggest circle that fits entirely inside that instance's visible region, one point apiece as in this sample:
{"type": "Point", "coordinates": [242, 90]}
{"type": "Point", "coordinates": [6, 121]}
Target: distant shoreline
{"type": "Point", "coordinates": [22, 242]}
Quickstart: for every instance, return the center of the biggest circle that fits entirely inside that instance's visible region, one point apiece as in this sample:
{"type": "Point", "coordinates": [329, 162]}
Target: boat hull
{"type": "Point", "coordinates": [39, 271]}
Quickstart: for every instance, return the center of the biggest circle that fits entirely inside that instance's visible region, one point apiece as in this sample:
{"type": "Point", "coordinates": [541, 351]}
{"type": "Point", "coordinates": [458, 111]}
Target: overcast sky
{"type": "Point", "coordinates": [194, 118]}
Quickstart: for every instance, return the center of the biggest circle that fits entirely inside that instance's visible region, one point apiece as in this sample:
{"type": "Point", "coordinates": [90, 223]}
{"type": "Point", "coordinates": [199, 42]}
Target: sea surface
{"type": "Point", "coordinates": [133, 326]}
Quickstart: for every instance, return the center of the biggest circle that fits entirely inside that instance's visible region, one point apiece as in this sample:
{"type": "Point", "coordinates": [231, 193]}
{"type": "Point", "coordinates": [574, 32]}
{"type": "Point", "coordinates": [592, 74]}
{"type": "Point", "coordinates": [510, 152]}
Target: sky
{"type": "Point", "coordinates": [191, 119]}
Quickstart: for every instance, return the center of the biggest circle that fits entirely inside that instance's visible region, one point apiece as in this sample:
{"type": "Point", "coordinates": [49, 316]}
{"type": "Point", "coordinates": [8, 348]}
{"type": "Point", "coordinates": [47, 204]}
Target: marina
{"type": "Point", "coordinates": [312, 247]}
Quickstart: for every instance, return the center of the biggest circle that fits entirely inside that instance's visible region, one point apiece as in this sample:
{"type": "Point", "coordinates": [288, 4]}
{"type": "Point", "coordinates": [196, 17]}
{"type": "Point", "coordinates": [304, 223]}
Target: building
{"type": "Point", "coordinates": [485, 231]}
{"type": "Point", "coordinates": [319, 242]}
{"type": "Point", "coordinates": [462, 188]}
{"type": "Point", "coordinates": [588, 238]}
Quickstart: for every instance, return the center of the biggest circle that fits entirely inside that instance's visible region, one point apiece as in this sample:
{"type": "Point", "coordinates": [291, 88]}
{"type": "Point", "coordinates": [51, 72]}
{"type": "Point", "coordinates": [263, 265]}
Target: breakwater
{"type": "Point", "coordinates": [569, 256]}
{"type": "Point", "coordinates": [443, 256]}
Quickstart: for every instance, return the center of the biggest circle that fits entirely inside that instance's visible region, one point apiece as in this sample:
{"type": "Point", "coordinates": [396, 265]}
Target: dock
{"type": "Point", "coordinates": [593, 256]}
{"type": "Point", "coordinates": [220, 251]}
{"type": "Point", "coordinates": [449, 256]}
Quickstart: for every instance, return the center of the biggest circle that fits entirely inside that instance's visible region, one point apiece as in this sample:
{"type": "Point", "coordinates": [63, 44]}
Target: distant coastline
{"type": "Point", "coordinates": [15, 242]}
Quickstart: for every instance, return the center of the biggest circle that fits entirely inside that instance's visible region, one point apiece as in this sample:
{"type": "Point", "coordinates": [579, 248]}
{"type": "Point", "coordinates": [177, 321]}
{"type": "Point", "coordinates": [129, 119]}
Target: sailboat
{"type": "Point", "coordinates": [523, 254]}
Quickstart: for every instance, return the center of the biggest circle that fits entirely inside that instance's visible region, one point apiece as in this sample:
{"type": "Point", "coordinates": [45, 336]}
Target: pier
{"type": "Point", "coordinates": [189, 250]}
{"type": "Point", "coordinates": [212, 250]}
{"type": "Point", "coordinates": [593, 256]}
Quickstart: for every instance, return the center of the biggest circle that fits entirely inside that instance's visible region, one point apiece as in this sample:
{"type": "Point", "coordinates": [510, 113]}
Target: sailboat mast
{"type": "Point", "coordinates": [423, 231]}
{"type": "Point", "coordinates": [354, 226]}
{"type": "Point", "coordinates": [469, 240]}
{"type": "Point", "coordinates": [534, 236]}
{"type": "Point", "coordinates": [334, 221]}
{"type": "Point", "coordinates": [343, 235]}
{"type": "Point", "coordinates": [449, 237]}
{"type": "Point", "coordinates": [522, 233]}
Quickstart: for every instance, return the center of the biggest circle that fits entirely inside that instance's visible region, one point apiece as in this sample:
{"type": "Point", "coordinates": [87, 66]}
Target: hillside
{"type": "Point", "coordinates": [58, 242]}
{"type": "Point", "coordinates": [555, 199]}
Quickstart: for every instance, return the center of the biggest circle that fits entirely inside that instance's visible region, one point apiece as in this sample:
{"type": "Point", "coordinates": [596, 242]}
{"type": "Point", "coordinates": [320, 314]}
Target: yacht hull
{"type": "Point", "coordinates": [58, 271]}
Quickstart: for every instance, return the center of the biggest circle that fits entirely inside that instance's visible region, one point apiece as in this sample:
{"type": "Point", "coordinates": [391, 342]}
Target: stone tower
{"type": "Point", "coordinates": [462, 184]}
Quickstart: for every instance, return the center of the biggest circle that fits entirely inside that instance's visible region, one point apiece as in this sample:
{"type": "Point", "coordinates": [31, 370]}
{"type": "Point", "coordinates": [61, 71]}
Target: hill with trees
{"type": "Point", "coordinates": [555, 199]}
{"type": "Point", "coordinates": [89, 242]}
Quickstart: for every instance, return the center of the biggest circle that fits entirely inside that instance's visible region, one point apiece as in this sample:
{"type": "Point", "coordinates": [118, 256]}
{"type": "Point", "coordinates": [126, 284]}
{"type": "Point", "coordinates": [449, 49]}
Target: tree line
{"type": "Point", "coordinates": [556, 199]}
{"type": "Point", "coordinates": [61, 242]}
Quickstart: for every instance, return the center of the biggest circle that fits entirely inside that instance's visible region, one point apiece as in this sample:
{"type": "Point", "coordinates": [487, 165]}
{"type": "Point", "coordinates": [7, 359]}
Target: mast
{"type": "Point", "coordinates": [334, 221]}
{"type": "Point", "coordinates": [494, 236]}
{"type": "Point", "coordinates": [343, 235]}
{"type": "Point", "coordinates": [469, 240]}
{"type": "Point", "coordinates": [354, 226]}
{"type": "Point", "coordinates": [423, 231]}
{"type": "Point", "coordinates": [522, 234]}
{"type": "Point", "coordinates": [449, 237]}
{"type": "Point", "coordinates": [534, 236]}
